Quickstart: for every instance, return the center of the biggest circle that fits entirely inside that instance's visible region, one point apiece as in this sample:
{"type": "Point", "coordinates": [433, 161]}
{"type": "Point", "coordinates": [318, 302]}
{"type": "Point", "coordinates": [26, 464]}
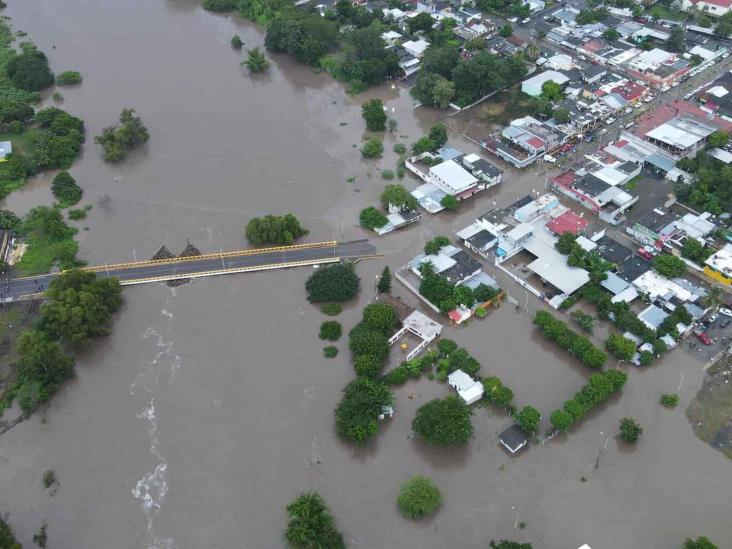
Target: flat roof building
{"type": "Point", "coordinates": [469, 390]}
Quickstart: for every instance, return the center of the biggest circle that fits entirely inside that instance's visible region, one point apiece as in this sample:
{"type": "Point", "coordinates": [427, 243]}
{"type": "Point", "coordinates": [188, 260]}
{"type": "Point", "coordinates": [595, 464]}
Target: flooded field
{"type": "Point", "coordinates": [210, 407]}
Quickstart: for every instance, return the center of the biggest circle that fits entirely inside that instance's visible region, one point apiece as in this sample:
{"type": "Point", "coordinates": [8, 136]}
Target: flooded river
{"type": "Point", "coordinates": [210, 406]}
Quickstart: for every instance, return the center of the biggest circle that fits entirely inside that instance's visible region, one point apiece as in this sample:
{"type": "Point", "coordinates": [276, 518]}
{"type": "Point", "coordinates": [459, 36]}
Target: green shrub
{"type": "Point", "coordinates": [400, 148]}
{"type": "Point", "coordinates": [310, 524]}
{"type": "Point", "coordinates": [372, 148]}
{"type": "Point", "coordinates": [387, 174]}
{"type": "Point", "coordinates": [371, 218]}
{"type": "Point", "coordinates": [77, 214]}
{"type": "Point", "coordinates": [336, 282]}
{"type": "Point", "coordinates": [670, 400]}
{"type": "Point", "coordinates": [368, 366]}
{"type": "Point", "coordinates": [330, 351]}
{"type": "Point", "coordinates": [331, 309]}
{"type": "Point", "coordinates": [418, 498]}
{"type": "Point", "coordinates": [219, 6]}
{"type": "Point", "coordinates": [358, 411]}
{"type": "Point", "coordinates": [330, 330]}
{"type": "Point", "coordinates": [581, 347]}
{"type": "Point", "coordinates": [68, 78]}
{"type": "Point", "coordinates": [381, 317]}
{"type": "Point", "coordinates": [236, 42]}
{"type": "Point", "coordinates": [630, 430]}
{"type": "Point", "coordinates": [398, 376]}
{"type": "Point", "coordinates": [443, 422]}
{"type": "Point", "coordinates": [272, 229]}
{"type": "Point", "coordinates": [65, 189]}
{"type": "Point", "coordinates": [480, 312]}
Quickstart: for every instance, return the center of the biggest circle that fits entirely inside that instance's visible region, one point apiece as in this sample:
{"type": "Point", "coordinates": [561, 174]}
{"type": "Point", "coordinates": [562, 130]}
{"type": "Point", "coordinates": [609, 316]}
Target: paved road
{"type": "Point", "coordinates": [132, 273]}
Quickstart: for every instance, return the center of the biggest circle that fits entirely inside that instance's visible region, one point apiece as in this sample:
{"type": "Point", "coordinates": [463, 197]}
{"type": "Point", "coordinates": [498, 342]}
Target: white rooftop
{"type": "Point", "coordinates": [6, 147]}
{"type": "Point", "coordinates": [722, 260]}
{"type": "Point", "coordinates": [681, 132]}
{"type": "Point", "coordinates": [552, 267]}
{"type": "Point", "coordinates": [468, 389]}
{"type": "Point", "coordinates": [423, 325]}
{"type": "Point", "coordinates": [655, 286]}
{"type": "Point", "coordinates": [696, 226]}
{"type": "Point", "coordinates": [416, 47]}
{"type": "Point", "coordinates": [457, 178]}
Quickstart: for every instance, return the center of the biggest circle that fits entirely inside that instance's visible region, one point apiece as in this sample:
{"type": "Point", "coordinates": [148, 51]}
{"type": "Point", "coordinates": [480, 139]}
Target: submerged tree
{"type": "Point", "coordinates": [118, 140]}
{"type": "Point", "coordinates": [311, 525]}
{"type": "Point", "coordinates": [256, 61]}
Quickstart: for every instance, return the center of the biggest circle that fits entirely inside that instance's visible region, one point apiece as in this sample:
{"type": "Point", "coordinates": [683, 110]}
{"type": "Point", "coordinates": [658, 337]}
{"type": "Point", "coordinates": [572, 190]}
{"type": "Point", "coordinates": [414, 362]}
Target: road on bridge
{"type": "Point", "coordinates": [205, 265]}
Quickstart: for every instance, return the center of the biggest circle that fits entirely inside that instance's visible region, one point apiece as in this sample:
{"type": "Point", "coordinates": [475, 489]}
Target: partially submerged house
{"type": "Point", "coordinates": [468, 389]}
{"type": "Point", "coordinates": [513, 439]}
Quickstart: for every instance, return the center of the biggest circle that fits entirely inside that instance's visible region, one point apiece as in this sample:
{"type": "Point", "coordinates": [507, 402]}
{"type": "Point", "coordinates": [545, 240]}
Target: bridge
{"type": "Point", "coordinates": [222, 263]}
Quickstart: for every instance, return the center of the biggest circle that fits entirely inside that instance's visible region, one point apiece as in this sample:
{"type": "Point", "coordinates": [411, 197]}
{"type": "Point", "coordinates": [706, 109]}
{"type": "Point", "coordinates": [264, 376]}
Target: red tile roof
{"type": "Point", "coordinates": [567, 222]}
{"type": "Point", "coordinates": [721, 3]}
{"type": "Point", "coordinates": [565, 179]}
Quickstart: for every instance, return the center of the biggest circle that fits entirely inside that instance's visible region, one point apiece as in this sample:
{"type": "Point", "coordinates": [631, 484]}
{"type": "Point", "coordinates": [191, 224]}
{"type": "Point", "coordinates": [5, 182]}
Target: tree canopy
{"type": "Point", "coordinates": [65, 189]}
{"type": "Point", "coordinates": [310, 524]}
{"type": "Point", "coordinates": [332, 283]}
{"type": "Point", "coordinates": [29, 70]}
{"type": "Point", "coordinates": [669, 266]}
{"type": "Point", "coordinates": [7, 539]}
{"type": "Point", "coordinates": [271, 229]}
{"type": "Point", "coordinates": [256, 61]}
{"type": "Point", "coordinates": [357, 413]}
{"type": "Point", "coordinates": [371, 218]}
{"type": "Point", "coordinates": [398, 196]}
{"type": "Point", "coordinates": [443, 422]}
{"type": "Point", "coordinates": [305, 35]}
{"type": "Point", "coordinates": [699, 543]}
{"type": "Point", "coordinates": [117, 141]}
{"type": "Point", "coordinates": [372, 111]}
{"type": "Point", "coordinates": [418, 498]}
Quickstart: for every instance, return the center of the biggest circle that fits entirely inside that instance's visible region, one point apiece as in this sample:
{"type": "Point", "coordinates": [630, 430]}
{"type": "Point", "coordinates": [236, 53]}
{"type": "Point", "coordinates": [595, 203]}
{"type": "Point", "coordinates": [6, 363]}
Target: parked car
{"type": "Point", "coordinates": [701, 336]}
{"type": "Point", "coordinates": [725, 311]}
{"type": "Point", "coordinates": [724, 323]}
{"type": "Point", "coordinates": [711, 319]}
{"type": "Point", "coordinates": [610, 120]}
{"type": "Point", "coordinates": [645, 254]}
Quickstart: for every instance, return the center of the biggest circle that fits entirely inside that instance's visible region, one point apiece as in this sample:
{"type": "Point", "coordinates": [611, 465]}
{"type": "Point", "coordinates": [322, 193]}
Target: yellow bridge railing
{"type": "Point", "coordinates": [238, 253]}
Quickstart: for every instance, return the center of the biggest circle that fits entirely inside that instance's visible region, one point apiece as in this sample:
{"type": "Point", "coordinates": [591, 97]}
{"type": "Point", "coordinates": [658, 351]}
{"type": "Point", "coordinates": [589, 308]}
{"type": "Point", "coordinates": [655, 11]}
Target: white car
{"type": "Point", "coordinates": [725, 311]}
{"type": "Point", "coordinates": [610, 120]}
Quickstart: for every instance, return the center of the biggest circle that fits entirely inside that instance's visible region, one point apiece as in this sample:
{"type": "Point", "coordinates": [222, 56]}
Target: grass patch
{"type": "Point", "coordinates": [50, 242]}
{"type": "Point", "coordinates": [711, 409]}
{"type": "Point", "coordinates": [662, 12]}
{"type": "Point", "coordinates": [77, 214]}
{"type": "Point", "coordinates": [505, 106]}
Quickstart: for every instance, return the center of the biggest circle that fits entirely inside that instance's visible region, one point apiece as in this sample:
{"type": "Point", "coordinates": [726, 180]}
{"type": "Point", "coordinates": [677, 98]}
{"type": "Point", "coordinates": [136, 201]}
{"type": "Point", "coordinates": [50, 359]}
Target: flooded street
{"type": "Point", "coordinates": [210, 406]}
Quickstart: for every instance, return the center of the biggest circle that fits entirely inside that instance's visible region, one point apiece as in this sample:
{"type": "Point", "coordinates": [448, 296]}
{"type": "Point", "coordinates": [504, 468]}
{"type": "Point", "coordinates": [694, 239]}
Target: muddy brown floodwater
{"type": "Point", "coordinates": [210, 407]}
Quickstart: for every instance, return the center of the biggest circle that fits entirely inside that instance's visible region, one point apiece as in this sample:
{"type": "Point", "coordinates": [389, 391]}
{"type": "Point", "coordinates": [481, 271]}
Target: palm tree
{"type": "Point", "coordinates": [713, 298]}
{"type": "Point", "coordinates": [533, 51]}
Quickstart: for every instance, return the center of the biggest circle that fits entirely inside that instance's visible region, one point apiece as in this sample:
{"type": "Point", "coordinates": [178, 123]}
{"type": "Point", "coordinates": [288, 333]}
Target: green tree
{"type": "Point", "coordinates": [65, 189]}
{"type": "Point", "coordinates": [583, 320]}
{"type": "Point", "coordinates": [551, 91]}
{"type": "Point", "coordinates": [256, 61]}
{"type": "Point", "coordinates": [424, 144]}
{"type": "Point", "coordinates": [505, 31]}
{"type": "Point", "coordinates": [438, 134]}
{"type": "Point", "coordinates": [330, 351]}
{"type": "Point", "coordinates": [443, 92]}
{"type": "Point", "coordinates": [336, 282]}
{"type": "Point", "coordinates": [449, 202]}
{"type": "Point", "coordinates": [620, 347]}
{"type": "Point", "coordinates": [80, 306]}
{"type": "Point", "coordinates": [372, 148]}
{"type": "Point", "coordinates": [483, 293]}
{"type": "Point", "coordinates": [699, 543]}
{"type": "Point", "coordinates": [310, 524]}
{"type": "Point", "coordinates": [371, 218]}
{"type": "Point", "coordinates": [695, 251]}
{"type": "Point", "coordinates": [396, 195]}
{"type": "Point", "coordinates": [533, 51]}
{"type": "Point", "coordinates": [330, 330]}
{"type": "Point", "coordinates": [29, 70]}
{"type": "Point", "coordinates": [528, 419]}
{"type": "Point", "coordinates": [381, 317]}
{"type": "Point", "coordinates": [669, 266]}
{"type": "Point", "coordinates": [7, 539]}
{"type": "Point", "coordinates": [271, 229]}
{"type": "Point", "coordinates": [219, 6]}
{"type": "Point", "coordinates": [676, 40]}
{"type": "Point", "coordinates": [69, 78]}
{"type": "Point", "coordinates": [236, 42]}
{"type": "Point", "coordinates": [357, 413]}
{"type": "Point", "coordinates": [418, 498]}
{"type": "Point", "coordinates": [670, 400]}
{"type": "Point", "coordinates": [384, 285]}
{"type": "Point", "coordinates": [714, 296]}
{"type": "Point", "coordinates": [561, 420]}
{"type": "Point", "coordinates": [8, 220]}
{"type": "Point", "coordinates": [630, 430]}
{"type": "Point", "coordinates": [566, 243]}
{"type": "Point", "coordinates": [561, 115]}
{"type": "Point", "coordinates": [368, 366]}
{"type": "Point", "coordinates": [421, 22]}
{"type": "Point", "coordinates": [433, 246]}
{"type": "Point", "coordinates": [372, 111]}
{"type": "Point", "coordinates": [443, 422]}
{"type": "Point", "coordinates": [611, 34]}
{"type": "Point", "coordinates": [365, 340]}
{"type": "Point", "coordinates": [116, 141]}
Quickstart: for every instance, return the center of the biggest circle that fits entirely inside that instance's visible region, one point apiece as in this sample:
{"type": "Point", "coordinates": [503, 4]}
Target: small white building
{"type": "Point", "coordinates": [416, 47]}
{"type": "Point", "coordinates": [467, 388]}
{"type": "Point", "coordinates": [713, 7]}
{"type": "Point", "coordinates": [532, 86]}
{"type": "Point", "coordinates": [391, 37]}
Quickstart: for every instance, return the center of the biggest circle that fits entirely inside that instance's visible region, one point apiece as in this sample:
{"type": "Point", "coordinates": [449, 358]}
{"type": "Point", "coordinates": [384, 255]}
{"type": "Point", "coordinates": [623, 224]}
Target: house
{"type": "Point", "coordinates": [719, 265]}
{"type": "Point", "coordinates": [483, 170]}
{"type": "Point", "coordinates": [712, 7]}
{"type": "Point", "coordinates": [513, 439]}
{"type": "Point", "coordinates": [397, 218]}
{"type": "Point", "coordinates": [535, 5]}
{"type": "Point", "coordinates": [535, 208]}
{"type": "Point", "coordinates": [593, 73]}
{"type": "Point", "coordinates": [653, 229]}
{"type": "Point", "coordinates": [533, 86]}
{"type": "Point", "coordinates": [391, 37]}
{"type": "Point", "coordinates": [6, 147]}
{"type": "Point", "coordinates": [421, 326]}
{"type": "Point", "coordinates": [469, 390]}
{"type": "Point", "coordinates": [658, 67]}
{"type": "Point", "coordinates": [524, 141]}
{"type": "Point", "coordinates": [453, 180]}
{"type": "Point", "coordinates": [416, 47]}
{"type": "Point", "coordinates": [451, 263]}
{"type": "Point", "coordinates": [568, 222]}
{"type": "Point", "coordinates": [593, 191]}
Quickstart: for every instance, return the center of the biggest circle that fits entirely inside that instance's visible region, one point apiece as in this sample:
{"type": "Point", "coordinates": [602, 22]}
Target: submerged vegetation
{"type": "Point", "coordinates": [272, 229]}
{"type": "Point", "coordinates": [117, 141]}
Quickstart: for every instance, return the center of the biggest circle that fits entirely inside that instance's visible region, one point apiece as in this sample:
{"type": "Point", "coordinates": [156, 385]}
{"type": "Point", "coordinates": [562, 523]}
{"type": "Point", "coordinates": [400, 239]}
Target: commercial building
{"type": "Point", "coordinates": [533, 86]}
{"type": "Point", "coordinates": [719, 265]}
